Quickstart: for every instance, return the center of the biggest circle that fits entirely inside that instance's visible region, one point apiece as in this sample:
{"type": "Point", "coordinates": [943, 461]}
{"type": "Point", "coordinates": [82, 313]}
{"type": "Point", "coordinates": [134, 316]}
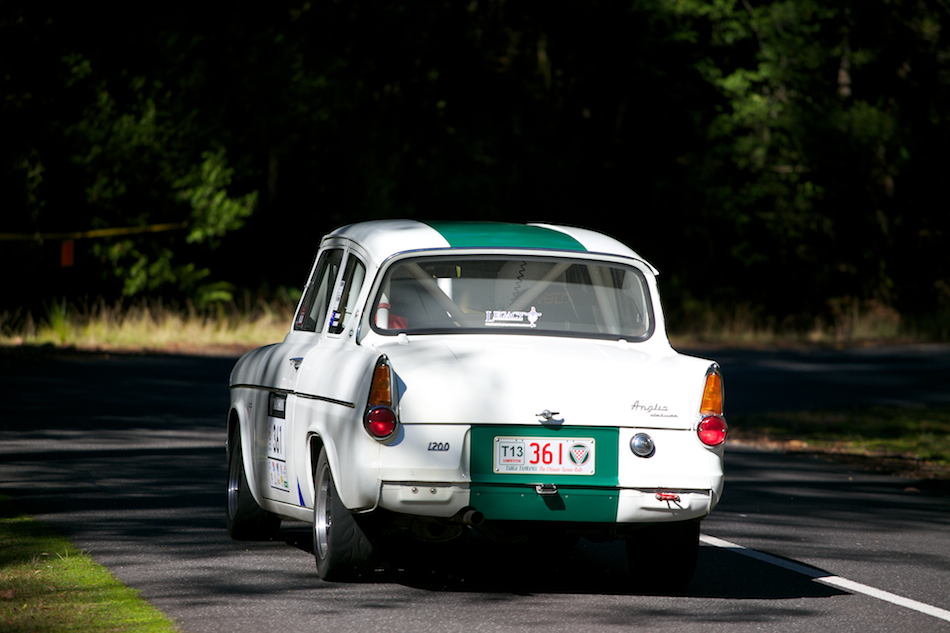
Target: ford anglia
{"type": "Point", "coordinates": [440, 378]}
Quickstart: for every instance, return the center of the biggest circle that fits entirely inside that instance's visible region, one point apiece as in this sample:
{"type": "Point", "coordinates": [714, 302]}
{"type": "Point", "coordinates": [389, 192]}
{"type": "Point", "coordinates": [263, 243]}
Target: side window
{"type": "Point", "coordinates": [313, 309]}
{"type": "Point", "coordinates": [348, 291]}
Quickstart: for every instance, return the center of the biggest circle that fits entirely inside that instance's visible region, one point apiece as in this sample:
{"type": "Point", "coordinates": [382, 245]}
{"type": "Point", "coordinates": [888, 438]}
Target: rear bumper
{"type": "Point", "coordinates": [562, 504]}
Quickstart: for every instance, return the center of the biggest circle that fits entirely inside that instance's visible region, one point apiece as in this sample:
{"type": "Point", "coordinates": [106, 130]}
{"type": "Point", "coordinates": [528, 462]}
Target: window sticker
{"type": "Point", "coordinates": [512, 318]}
{"type": "Point", "coordinates": [335, 314]}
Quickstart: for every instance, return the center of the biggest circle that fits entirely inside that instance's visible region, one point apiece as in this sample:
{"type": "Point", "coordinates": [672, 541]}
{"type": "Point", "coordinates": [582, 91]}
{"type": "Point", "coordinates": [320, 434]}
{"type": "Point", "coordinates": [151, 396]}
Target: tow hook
{"type": "Point", "coordinates": [546, 489]}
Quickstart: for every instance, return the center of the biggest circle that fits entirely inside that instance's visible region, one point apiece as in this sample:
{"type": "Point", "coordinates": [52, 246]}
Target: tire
{"type": "Point", "coordinates": [246, 520]}
{"type": "Point", "coordinates": [662, 557]}
{"type": "Point", "coordinates": [341, 548]}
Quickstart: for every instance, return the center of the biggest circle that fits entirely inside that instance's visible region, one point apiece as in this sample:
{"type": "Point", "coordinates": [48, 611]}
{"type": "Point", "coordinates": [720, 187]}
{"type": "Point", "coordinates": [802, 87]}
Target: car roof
{"type": "Point", "coordinates": [383, 238]}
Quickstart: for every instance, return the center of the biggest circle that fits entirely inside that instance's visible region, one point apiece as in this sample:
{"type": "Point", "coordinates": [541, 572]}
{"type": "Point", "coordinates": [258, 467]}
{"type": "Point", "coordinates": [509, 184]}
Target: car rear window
{"type": "Point", "coordinates": [526, 295]}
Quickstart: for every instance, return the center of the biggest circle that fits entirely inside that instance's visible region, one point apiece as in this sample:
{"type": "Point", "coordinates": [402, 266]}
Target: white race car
{"type": "Point", "coordinates": [446, 377]}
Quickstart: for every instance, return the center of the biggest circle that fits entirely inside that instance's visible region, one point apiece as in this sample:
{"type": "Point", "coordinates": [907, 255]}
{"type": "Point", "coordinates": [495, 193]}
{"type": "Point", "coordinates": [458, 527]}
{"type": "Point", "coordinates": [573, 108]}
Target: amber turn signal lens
{"type": "Point", "coordinates": [381, 393]}
{"type": "Point", "coordinates": [712, 430]}
{"type": "Point", "coordinates": [712, 394]}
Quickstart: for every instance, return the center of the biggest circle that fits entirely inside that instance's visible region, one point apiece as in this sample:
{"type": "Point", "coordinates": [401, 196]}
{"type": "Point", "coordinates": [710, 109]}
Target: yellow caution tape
{"type": "Point", "coordinates": [78, 235]}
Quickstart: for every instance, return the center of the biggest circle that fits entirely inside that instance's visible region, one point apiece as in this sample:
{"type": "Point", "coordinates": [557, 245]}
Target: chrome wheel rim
{"type": "Point", "coordinates": [322, 519]}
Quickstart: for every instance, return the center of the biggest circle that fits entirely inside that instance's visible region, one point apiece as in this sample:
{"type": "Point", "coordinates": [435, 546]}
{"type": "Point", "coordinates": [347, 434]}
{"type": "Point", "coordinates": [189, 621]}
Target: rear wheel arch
{"type": "Point", "coordinates": [235, 432]}
{"type": "Point", "coordinates": [234, 423]}
{"type": "Point", "coordinates": [341, 548]}
{"type": "Point", "coordinates": [316, 444]}
{"type": "Point", "coordinates": [245, 518]}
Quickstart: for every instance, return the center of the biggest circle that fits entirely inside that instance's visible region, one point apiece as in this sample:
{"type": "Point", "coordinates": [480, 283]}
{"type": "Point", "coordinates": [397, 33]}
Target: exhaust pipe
{"type": "Point", "coordinates": [468, 516]}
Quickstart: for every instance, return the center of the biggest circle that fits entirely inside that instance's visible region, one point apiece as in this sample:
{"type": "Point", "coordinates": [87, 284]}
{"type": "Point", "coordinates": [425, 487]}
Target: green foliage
{"type": "Point", "coordinates": [213, 212]}
{"type": "Point", "coordinates": [796, 141]}
{"type": "Point", "coordinates": [131, 157]}
{"type": "Point", "coordinates": [57, 320]}
{"type": "Point", "coordinates": [811, 140]}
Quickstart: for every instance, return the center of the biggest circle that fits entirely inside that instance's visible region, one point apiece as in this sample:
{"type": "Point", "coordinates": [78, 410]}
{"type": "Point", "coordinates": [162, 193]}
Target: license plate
{"type": "Point", "coordinates": [544, 455]}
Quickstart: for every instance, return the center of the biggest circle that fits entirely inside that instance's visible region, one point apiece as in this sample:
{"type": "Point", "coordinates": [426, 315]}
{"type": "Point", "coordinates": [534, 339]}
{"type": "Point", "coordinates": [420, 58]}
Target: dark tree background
{"type": "Point", "coordinates": [782, 155]}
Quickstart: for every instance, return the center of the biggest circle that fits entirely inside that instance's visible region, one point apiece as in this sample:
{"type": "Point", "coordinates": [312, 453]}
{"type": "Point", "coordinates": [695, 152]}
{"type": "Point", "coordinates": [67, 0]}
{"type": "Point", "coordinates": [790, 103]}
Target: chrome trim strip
{"type": "Point", "coordinates": [309, 396]}
{"type": "Point", "coordinates": [262, 388]}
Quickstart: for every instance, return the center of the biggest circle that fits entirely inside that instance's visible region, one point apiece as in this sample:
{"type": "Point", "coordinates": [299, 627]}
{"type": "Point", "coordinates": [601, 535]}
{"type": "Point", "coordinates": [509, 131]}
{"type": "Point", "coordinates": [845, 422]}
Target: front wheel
{"type": "Point", "coordinates": [246, 520]}
{"type": "Point", "coordinates": [662, 557]}
{"type": "Point", "coordinates": [340, 547]}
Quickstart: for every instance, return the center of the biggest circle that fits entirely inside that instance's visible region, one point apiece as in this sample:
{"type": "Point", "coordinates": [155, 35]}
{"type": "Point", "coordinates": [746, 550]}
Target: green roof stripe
{"type": "Point", "coordinates": [502, 235]}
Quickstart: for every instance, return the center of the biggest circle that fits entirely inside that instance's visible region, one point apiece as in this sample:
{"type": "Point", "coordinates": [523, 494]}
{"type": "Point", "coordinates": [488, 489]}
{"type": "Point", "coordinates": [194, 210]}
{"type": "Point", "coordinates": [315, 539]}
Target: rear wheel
{"type": "Point", "coordinates": [663, 556]}
{"type": "Point", "coordinates": [246, 520]}
{"type": "Point", "coordinates": [340, 547]}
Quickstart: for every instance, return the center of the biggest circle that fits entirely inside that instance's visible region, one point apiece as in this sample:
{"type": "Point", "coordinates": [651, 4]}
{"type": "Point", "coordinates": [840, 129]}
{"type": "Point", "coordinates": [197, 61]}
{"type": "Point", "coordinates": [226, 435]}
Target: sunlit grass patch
{"type": "Point", "coordinates": [250, 322]}
{"type": "Point", "coordinates": [911, 438]}
{"type": "Point", "coordinates": [151, 325]}
{"type": "Point", "coordinates": [46, 584]}
{"type": "Point", "coordinates": [847, 322]}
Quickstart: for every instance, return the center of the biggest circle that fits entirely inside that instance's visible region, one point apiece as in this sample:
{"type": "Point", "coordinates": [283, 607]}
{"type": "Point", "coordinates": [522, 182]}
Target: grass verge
{"type": "Point", "coordinates": [913, 442]}
{"type": "Point", "coordinates": [846, 321]}
{"type": "Point", "coordinates": [48, 585]}
{"type": "Point", "coordinates": [249, 322]}
{"type": "Point", "coordinates": [151, 326]}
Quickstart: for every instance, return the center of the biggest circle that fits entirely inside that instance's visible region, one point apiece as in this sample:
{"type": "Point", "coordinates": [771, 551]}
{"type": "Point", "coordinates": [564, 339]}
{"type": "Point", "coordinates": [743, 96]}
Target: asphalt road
{"type": "Point", "coordinates": [125, 456]}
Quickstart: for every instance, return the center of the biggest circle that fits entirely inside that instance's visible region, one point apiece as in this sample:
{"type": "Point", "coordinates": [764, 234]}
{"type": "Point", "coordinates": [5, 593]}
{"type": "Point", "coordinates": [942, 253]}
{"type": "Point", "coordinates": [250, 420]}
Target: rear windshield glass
{"type": "Point", "coordinates": [530, 295]}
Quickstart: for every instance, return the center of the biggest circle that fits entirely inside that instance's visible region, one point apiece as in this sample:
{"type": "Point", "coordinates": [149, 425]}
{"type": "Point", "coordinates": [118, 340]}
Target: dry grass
{"type": "Point", "coordinates": [850, 322]}
{"type": "Point", "coordinates": [249, 323]}
{"type": "Point", "coordinates": [150, 326]}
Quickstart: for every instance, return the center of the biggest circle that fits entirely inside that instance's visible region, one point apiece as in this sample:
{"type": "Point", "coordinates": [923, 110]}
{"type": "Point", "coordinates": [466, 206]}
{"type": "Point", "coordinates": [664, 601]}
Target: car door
{"type": "Point", "coordinates": [335, 306]}
{"type": "Point", "coordinates": [283, 371]}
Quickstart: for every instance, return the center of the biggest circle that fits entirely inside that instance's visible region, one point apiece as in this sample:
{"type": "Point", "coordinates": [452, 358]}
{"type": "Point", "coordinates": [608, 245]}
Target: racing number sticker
{"type": "Point", "coordinates": [276, 462]}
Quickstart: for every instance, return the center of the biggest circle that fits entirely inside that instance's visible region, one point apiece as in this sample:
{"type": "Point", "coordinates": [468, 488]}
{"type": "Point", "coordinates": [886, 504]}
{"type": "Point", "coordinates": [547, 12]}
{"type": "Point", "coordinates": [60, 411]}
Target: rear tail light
{"type": "Point", "coordinates": [380, 419]}
{"type": "Point", "coordinates": [381, 422]}
{"type": "Point", "coordinates": [712, 430]}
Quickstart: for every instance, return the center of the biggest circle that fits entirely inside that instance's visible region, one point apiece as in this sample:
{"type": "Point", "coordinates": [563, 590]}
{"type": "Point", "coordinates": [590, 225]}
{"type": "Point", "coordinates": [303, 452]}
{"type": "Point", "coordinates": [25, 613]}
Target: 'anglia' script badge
{"type": "Point", "coordinates": [653, 409]}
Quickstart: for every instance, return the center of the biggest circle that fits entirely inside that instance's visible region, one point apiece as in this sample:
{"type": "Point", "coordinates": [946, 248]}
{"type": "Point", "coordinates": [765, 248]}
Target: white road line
{"type": "Point", "coordinates": [823, 577]}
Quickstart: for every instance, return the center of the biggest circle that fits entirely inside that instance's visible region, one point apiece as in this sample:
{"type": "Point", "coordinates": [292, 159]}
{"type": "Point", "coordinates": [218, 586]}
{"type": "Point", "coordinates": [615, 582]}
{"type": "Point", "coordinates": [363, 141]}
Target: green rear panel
{"type": "Point", "coordinates": [501, 496]}
{"type": "Point", "coordinates": [501, 235]}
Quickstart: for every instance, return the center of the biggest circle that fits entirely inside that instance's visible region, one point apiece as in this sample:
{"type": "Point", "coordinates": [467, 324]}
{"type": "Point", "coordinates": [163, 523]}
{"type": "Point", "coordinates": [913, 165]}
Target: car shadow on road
{"type": "Point", "coordinates": [526, 568]}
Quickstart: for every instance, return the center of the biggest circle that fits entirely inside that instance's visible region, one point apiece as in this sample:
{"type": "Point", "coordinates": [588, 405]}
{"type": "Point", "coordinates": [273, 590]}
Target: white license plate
{"type": "Point", "coordinates": [544, 455]}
